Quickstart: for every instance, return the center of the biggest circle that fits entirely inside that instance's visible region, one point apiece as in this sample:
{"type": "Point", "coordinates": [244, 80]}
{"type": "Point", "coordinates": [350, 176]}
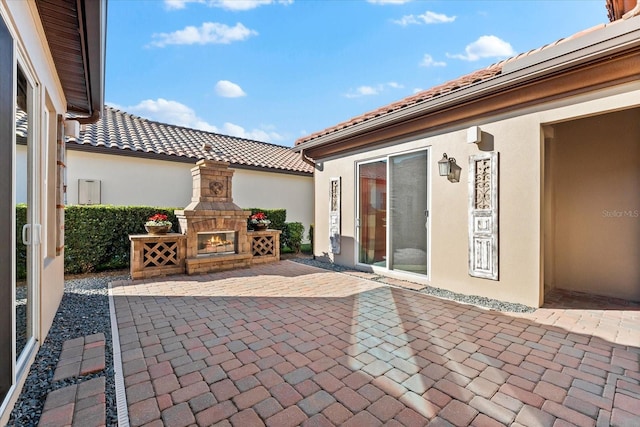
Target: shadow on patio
{"type": "Point", "coordinates": [288, 344]}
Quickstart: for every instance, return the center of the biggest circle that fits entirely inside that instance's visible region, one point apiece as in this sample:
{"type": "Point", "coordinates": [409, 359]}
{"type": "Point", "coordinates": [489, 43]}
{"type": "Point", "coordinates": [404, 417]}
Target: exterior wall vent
{"type": "Point", "coordinates": [88, 192]}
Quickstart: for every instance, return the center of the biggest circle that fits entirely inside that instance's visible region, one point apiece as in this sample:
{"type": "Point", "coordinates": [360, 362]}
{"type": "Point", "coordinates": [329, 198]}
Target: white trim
{"type": "Point", "coordinates": [357, 263]}
{"type": "Point", "coordinates": [10, 399]}
{"type": "Point", "coordinates": [34, 194]}
{"type": "Point", "coordinates": [387, 270]}
{"type": "Point", "coordinates": [121, 396]}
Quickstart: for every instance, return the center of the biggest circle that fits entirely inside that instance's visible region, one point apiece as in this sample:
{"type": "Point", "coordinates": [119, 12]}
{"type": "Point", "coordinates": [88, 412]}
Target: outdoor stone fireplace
{"type": "Point", "coordinates": [213, 233]}
{"type": "Point", "coordinates": [216, 228]}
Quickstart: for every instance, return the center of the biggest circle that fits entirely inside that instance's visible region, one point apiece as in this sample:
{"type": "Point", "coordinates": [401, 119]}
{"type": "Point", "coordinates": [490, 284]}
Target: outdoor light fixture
{"type": "Point", "coordinates": [72, 128]}
{"type": "Point", "coordinates": [448, 167]}
{"type": "Point", "coordinates": [474, 135]}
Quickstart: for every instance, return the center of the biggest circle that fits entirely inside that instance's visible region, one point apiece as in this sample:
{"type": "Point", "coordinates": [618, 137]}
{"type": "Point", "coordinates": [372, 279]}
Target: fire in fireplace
{"type": "Point", "coordinates": [216, 243]}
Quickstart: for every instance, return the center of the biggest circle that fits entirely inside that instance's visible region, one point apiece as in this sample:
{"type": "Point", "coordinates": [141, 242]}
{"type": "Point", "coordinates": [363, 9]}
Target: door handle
{"type": "Point", "coordinates": [31, 234]}
{"type": "Point", "coordinates": [26, 237]}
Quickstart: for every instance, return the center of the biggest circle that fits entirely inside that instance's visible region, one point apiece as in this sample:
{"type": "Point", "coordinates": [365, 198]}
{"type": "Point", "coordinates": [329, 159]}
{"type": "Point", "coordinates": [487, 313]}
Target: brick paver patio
{"type": "Point", "coordinates": [288, 344]}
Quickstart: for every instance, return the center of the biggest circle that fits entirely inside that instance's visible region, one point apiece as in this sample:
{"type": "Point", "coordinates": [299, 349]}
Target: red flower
{"type": "Point", "coordinates": [259, 216]}
{"type": "Point", "coordinates": [158, 217]}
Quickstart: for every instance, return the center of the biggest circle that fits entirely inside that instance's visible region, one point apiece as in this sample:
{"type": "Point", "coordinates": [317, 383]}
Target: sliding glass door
{"type": "Point", "coordinates": [393, 221]}
{"type": "Point", "coordinates": [409, 212]}
{"type": "Point", "coordinates": [372, 213]}
{"type": "Point", "coordinates": [27, 223]}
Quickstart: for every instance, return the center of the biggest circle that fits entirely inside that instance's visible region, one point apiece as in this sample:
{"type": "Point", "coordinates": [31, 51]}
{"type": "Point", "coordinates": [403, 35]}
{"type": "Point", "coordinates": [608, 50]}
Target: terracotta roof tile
{"type": "Point", "coordinates": [472, 78]}
{"type": "Point", "coordinates": [120, 130]}
{"type": "Point", "coordinates": [459, 83]}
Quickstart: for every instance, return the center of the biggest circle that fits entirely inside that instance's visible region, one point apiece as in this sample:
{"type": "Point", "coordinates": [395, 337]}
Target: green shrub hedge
{"type": "Point", "coordinates": [292, 236]}
{"type": "Point", "coordinates": [276, 216]}
{"type": "Point", "coordinates": [97, 237]}
{"type": "Point", "coordinates": [21, 250]}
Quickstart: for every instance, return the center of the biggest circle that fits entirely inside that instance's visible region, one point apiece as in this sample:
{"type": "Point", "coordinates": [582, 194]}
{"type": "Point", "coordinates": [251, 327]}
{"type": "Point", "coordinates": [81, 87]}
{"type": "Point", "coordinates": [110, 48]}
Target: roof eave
{"type": "Point", "coordinates": [78, 55]}
{"type": "Point", "coordinates": [95, 23]}
{"type": "Point", "coordinates": [74, 145]}
{"type": "Point", "coordinates": [568, 55]}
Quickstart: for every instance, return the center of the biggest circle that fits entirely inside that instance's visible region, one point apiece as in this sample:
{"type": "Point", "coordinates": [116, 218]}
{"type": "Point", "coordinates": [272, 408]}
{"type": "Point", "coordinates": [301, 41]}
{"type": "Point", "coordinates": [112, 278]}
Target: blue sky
{"type": "Point", "coordinates": [276, 70]}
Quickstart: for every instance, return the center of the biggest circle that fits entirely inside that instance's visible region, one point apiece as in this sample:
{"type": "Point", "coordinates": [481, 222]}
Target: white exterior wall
{"type": "Point", "coordinates": [519, 140]}
{"type": "Point", "coordinates": [130, 181]}
{"type": "Point", "coordinates": [138, 181]}
{"type": "Point", "coordinates": [255, 189]}
{"type": "Point", "coordinates": [31, 48]}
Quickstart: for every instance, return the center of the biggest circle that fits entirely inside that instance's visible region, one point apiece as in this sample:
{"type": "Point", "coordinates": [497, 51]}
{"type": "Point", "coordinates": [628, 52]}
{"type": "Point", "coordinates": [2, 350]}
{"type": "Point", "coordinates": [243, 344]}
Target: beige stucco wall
{"type": "Point", "coordinates": [254, 189]}
{"type": "Point", "coordinates": [595, 189]}
{"type": "Point", "coordinates": [138, 181]}
{"type": "Point", "coordinates": [518, 139]}
{"type": "Point", "coordinates": [35, 59]}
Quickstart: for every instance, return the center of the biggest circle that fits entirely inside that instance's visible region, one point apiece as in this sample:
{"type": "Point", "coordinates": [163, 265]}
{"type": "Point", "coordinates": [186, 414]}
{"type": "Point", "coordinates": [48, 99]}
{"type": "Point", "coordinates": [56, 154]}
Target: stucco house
{"type": "Point", "coordinates": [51, 64]}
{"type": "Point", "coordinates": [505, 183]}
{"type": "Point", "coordinates": [123, 159]}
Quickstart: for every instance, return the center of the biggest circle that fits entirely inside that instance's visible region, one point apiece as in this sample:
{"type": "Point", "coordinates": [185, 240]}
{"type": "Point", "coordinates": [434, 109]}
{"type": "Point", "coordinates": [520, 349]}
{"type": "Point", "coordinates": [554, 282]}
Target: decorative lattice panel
{"type": "Point", "coordinates": [483, 190]}
{"type": "Point", "coordinates": [483, 216]}
{"type": "Point", "coordinates": [160, 254]}
{"type": "Point", "coordinates": [263, 246]}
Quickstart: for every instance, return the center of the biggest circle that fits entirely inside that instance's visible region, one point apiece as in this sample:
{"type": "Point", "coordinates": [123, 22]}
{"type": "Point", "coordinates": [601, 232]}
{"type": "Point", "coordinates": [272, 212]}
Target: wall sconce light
{"type": "Point", "coordinates": [448, 167]}
{"type": "Point", "coordinates": [474, 135]}
{"type": "Point", "coordinates": [72, 128]}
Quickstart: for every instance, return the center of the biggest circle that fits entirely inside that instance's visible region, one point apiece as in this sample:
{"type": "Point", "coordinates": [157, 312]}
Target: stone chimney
{"type": "Point", "coordinates": [216, 228]}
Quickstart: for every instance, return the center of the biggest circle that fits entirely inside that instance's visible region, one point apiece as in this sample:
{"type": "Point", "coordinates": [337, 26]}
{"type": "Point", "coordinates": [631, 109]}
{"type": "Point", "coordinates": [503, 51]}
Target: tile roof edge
{"type": "Point", "coordinates": [169, 125]}
{"type": "Point", "coordinates": [73, 145]}
{"type": "Point", "coordinates": [504, 65]}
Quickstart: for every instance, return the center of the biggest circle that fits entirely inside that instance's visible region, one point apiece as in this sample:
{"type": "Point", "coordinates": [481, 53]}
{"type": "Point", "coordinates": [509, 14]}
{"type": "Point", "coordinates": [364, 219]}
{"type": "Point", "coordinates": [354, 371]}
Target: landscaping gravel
{"type": "Point", "coordinates": [84, 310]}
{"type": "Point", "coordinates": [476, 300]}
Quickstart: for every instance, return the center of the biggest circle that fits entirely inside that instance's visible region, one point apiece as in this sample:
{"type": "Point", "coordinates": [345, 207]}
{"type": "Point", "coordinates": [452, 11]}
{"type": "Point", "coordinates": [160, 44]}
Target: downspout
{"type": "Point", "coordinates": [87, 120]}
{"type": "Point", "coordinates": [310, 161]}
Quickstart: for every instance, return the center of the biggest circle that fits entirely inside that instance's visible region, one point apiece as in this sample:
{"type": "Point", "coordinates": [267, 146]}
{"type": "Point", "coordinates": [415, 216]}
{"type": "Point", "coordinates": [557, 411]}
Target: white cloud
{"type": "Point", "coordinates": [179, 4]}
{"type": "Point", "coordinates": [228, 89]}
{"type": "Point", "coordinates": [395, 85]}
{"type": "Point", "coordinates": [171, 112]}
{"type": "Point", "coordinates": [417, 89]}
{"type": "Point", "coordinates": [428, 61]}
{"type": "Point", "coordinates": [268, 135]}
{"type": "Point", "coordinates": [176, 113]}
{"type": "Point", "coordinates": [388, 1]}
{"type": "Point", "coordinates": [426, 18]}
{"type": "Point", "coordinates": [244, 4]}
{"type": "Point", "coordinates": [207, 33]}
{"type": "Point", "coordinates": [362, 91]}
{"type": "Point", "coordinates": [371, 90]}
{"type": "Point", "coordinates": [237, 5]}
{"type": "Point", "coordinates": [485, 47]}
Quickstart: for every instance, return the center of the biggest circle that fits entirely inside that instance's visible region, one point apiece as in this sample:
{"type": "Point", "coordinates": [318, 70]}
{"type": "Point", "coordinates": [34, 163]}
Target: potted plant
{"type": "Point", "coordinates": [158, 224]}
{"type": "Point", "coordinates": [259, 221]}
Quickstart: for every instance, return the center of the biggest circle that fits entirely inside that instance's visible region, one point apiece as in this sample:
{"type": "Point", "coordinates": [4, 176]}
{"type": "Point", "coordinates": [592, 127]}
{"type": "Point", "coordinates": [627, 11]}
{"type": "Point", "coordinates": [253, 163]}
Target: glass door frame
{"type": "Point", "coordinates": [358, 221]}
{"type": "Point", "coordinates": [388, 269]}
{"type": "Point", "coordinates": [34, 231]}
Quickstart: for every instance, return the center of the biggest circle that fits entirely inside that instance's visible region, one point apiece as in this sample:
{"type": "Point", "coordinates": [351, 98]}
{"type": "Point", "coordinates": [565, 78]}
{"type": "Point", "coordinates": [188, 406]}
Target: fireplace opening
{"type": "Point", "coordinates": [217, 243]}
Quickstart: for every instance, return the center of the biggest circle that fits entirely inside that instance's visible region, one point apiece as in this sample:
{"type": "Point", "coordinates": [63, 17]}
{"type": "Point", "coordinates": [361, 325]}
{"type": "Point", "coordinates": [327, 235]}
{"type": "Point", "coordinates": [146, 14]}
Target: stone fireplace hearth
{"type": "Point", "coordinates": [213, 233]}
{"type": "Point", "coordinates": [216, 228]}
